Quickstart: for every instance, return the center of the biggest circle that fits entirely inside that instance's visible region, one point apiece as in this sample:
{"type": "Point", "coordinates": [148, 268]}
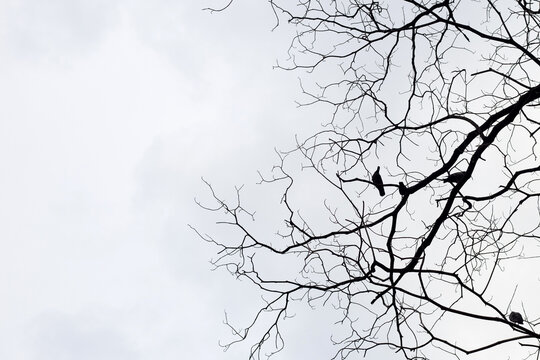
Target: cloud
{"type": "Point", "coordinates": [101, 161]}
{"type": "Point", "coordinates": [84, 336]}
{"type": "Point", "coordinates": [55, 30]}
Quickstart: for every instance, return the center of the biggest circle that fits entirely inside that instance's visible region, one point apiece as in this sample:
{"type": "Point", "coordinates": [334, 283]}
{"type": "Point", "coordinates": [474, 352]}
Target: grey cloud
{"type": "Point", "coordinates": [60, 336]}
{"type": "Point", "coordinates": [55, 29]}
{"type": "Point", "coordinates": [107, 157]}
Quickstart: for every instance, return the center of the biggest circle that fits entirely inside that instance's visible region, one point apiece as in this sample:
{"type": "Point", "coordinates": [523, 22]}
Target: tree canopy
{"type": "Point", "coordinates": [424, 216]}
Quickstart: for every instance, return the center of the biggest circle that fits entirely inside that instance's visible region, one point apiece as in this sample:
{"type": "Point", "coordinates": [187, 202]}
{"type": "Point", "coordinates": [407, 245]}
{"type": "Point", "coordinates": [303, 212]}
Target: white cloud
{"type": "Point", "coordinates": [91, 336]}
{"type": "Point", "coordinates": [55, 30]}
{"type": "Point", "coordinates": [112, 111]}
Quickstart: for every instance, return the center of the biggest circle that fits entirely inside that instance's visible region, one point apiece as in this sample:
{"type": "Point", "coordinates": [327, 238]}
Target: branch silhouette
{"type": "Point", "coordinates": [443, 96]}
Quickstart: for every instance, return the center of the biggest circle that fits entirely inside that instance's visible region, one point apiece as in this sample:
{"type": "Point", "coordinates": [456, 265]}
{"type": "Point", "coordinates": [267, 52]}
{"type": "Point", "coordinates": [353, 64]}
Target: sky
{"type": "Point", "coordinates": [111, 113]}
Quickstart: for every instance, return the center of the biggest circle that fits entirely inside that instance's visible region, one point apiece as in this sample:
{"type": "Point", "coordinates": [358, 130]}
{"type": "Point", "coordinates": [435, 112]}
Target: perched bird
{"type": "Point", "coordinates": [516, 317]}
{"type": "Point", "coordinates": [455, 177]}
{"type": "Point", "coordinates": [402, 188]}
{"type": "Point", "coordinates": [377, 181]}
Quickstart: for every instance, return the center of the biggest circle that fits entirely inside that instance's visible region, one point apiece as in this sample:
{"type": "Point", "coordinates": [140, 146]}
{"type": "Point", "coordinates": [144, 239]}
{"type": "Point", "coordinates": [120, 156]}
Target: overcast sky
{"type": "Point", "coordinates": [111, 112]}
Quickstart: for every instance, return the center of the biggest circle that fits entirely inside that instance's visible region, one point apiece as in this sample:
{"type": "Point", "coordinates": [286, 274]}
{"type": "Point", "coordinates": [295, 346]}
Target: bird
{"type": "Point", "coordinates": [455, 177]}
{"type": "Point", "coordinates": [516, 317]}
{"type": "Point", "coordinates": [402, 188]}
{"type": "Point", "coordinates": [377, 181]}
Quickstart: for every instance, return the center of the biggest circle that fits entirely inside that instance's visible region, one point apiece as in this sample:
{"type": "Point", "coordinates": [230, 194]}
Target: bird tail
{"type": "Point", "coordinates": [381, 191]}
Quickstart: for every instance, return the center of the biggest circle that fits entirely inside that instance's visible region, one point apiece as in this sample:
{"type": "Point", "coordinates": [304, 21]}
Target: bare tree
{"type": "Point", "coordinates": [430, 167]}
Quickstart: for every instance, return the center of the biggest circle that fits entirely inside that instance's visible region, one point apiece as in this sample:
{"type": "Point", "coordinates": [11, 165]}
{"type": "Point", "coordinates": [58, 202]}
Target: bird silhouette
{"type": "Point", "coordinates": [455, 177]}
{"type": "Point", "coordinates": [402, 188]}
{"type": "Point", "coordinates": [516, 317]}
{"type": "Point", "coordinates": [377, 181]}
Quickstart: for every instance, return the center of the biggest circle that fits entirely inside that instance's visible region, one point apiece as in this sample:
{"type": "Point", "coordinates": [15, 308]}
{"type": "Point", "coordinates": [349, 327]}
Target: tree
{"type": "Point", "coordinates": [442, 96]}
